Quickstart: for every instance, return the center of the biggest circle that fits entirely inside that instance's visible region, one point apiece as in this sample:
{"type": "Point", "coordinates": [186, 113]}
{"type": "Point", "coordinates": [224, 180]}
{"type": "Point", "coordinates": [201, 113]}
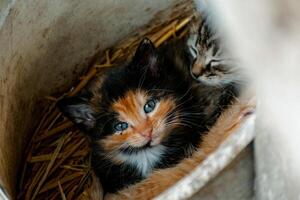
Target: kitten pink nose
{"type": "Point", "coordinates": [146, 133]}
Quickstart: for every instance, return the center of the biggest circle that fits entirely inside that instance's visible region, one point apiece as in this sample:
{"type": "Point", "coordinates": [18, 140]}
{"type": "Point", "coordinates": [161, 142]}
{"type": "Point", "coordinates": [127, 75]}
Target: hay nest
{"type": "Point", "coordinates": [57, 161]}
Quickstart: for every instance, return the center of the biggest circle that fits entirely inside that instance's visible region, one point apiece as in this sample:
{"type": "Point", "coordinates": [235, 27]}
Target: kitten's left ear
{"type": "Point", "coordinates": [146, 56]}
{"type": "Point", "coordinates": [79, 111]}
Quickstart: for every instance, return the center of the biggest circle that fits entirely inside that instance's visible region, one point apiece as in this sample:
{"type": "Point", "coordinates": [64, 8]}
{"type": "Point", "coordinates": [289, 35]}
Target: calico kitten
{"type": "Point", "coordinates": [146, 115]}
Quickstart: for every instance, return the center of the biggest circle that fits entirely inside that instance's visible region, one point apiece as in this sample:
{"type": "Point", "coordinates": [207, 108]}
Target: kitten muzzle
{"type": "Point", "coordinates": [147, 134]}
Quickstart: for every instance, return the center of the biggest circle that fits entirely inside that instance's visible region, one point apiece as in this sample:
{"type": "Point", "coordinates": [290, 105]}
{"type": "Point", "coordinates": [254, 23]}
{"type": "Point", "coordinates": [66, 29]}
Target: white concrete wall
{"type": "Point", "coordinates": [4, 9]}
{"type": "Point", "coordinates": [265, 34]}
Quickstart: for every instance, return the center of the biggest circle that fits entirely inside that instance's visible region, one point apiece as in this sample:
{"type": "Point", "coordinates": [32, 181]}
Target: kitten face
{"type": "Point", "coordinates": [213, 65]}
{"type": "Point", "coordinates": [142, 120]}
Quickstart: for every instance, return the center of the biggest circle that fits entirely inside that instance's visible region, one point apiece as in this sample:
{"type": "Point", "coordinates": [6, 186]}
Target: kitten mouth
{"type": "Point", "coordinates": [132, 149]}
{"type": "Point", "coordinates": [151, 143]}
{"type": "Point", "coordinates": [148, 144]}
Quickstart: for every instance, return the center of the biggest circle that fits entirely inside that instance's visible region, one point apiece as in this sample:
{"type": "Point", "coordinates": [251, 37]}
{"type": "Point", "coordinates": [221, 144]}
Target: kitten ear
{"type": "Point", "coordinates": [79, 111]}
{"type": "Point", "coordinates": [146, 56]}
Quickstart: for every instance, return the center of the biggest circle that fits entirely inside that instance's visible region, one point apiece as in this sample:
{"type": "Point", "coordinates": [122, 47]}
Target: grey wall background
{"type": "Point", "coordinates": [4, 8]}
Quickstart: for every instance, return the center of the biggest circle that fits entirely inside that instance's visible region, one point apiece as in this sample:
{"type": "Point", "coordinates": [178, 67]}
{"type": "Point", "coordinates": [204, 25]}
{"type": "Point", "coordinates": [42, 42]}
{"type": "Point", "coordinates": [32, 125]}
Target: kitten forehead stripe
{"type": "Point", "coordinates": [128, 105]}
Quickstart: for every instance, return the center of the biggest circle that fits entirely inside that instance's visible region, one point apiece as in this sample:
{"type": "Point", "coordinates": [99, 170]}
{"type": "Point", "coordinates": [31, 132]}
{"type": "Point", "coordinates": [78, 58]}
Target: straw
{"type": "Point", "coordinates": [53, 158]}
{"type": "Point", "coordinates": [63, 196]}
{"type": "Point", "coordinates": [54, 131]}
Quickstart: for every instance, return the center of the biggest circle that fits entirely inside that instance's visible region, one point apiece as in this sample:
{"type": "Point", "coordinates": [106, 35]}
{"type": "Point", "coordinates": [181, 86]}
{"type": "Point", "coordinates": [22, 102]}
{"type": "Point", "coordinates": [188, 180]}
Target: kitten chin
{"type": "Point", "coordinates": [144, 159]}
{"type": "Point", "coordinates": [146, 115]}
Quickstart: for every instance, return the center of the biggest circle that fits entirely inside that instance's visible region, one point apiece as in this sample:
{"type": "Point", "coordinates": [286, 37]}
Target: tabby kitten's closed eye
{"type": "Point", "coordinates": [145, 115]}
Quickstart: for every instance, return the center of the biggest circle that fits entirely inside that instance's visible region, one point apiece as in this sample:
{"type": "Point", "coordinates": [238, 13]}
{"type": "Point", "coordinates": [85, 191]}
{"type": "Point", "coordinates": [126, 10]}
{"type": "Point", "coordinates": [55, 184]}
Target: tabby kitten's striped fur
{"type": "Point", "coordinates": [213, 63]}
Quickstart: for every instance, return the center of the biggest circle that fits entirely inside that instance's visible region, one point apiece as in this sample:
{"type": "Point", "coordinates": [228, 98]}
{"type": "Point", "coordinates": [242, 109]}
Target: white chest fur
{"type": "Point", "coordinates": [144, 160]}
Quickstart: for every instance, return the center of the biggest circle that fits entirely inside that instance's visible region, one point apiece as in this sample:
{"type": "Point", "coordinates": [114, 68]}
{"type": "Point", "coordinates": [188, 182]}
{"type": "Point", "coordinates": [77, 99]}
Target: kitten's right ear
{"type": "Point", "coordinates": [79, 111]}
{"type": "Point", "coordinates": [146, 57]}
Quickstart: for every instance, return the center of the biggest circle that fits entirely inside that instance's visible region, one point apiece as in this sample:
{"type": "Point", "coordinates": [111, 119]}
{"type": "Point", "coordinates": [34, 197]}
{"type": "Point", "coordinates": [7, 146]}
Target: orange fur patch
{"type": "Point", "coordinates": [128, 106]}
{"type": "Point", "coordinates": [130, 109]}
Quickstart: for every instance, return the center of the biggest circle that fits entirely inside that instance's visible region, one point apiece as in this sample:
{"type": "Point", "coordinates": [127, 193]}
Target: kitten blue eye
{"type": "Point", "coordinates": [149, 106]}
{"type": "Point", "coordinates": [121, 126]}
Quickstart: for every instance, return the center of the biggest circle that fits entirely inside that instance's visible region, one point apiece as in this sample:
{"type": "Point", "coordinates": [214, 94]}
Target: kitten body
{"type": "Point", "coordinates": [146, 115]}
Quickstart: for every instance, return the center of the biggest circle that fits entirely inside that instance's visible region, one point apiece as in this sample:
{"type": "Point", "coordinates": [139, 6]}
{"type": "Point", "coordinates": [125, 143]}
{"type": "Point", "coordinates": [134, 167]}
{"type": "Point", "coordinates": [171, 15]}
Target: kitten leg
{"type": "Point", "coordinates": [95, 191]}
{"type": "Point", "coordinates": [160, 180]}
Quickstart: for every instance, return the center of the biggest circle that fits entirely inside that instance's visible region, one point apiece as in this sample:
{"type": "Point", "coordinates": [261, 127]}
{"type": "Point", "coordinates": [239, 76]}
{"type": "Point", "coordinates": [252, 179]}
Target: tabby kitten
{"type": "Point", "coordinates": [145, 115]}
{"type": "Point", "coordinates": [212, 62]}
